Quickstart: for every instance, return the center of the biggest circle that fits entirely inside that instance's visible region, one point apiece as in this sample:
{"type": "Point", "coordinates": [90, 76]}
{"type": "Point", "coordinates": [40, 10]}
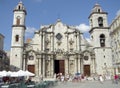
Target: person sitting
{"type": "Point", "coordinates": [28, 81]}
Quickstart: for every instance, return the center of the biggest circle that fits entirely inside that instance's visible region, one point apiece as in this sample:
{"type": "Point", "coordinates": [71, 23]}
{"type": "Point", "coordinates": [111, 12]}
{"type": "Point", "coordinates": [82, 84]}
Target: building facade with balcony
{"type": "Point", "coordinates": [61, 48]}
{"type": "Point", "coordinates": [4, 61]}
{"type": "Point", "coordinates": [115, 43]}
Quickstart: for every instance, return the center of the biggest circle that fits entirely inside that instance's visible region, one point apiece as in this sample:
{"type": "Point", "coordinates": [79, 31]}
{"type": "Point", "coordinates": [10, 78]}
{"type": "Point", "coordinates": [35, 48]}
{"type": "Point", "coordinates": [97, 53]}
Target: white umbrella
{"type": "Point", "coordinates": [14, 74]}
{"type": "Point", "coordinates": [29, 73]}
{"type": "Point", "coordinates": [21, 73]}
{"type": "Point", "coordinates": [9, 72]}
{"type": "Point", "coordinates": [4, 73]}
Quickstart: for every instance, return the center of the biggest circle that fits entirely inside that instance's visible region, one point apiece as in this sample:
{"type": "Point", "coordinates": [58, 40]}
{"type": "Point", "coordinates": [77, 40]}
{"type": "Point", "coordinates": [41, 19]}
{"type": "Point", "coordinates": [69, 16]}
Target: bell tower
{"type": "Point", "coordinates": [99, 27]}
{"type": "Point", "coordinates": [18, 33]}
{"type": "Point", "coordinates": [99, 33]}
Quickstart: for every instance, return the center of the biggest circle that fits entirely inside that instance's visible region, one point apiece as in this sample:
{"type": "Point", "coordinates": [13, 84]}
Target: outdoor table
{"type": "Point", "coordinates": [30, 86]}
{"type": "Point", "coordinates": [5, 86]}
{"type": "Point", "coordinates": [14, 85]}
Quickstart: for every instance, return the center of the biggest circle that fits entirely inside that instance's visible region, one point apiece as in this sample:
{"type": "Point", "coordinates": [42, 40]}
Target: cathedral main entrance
{"type": "Point", "coordinates": [59, 66]}
{"type": "Point", "coordinates": [87, 70]}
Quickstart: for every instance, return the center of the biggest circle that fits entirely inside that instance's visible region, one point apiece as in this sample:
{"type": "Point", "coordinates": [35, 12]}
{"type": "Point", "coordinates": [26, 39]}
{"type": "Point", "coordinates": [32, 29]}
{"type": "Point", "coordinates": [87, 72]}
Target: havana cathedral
{"type": "Point", "coordinates": [61, 48]}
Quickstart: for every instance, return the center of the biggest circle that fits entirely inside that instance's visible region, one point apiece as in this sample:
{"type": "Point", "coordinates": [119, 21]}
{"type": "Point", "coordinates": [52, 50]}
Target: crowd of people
{"type": "Point", "coordinates": [82, 78]}
{"type": "Point", "coordinates": [70, 77]}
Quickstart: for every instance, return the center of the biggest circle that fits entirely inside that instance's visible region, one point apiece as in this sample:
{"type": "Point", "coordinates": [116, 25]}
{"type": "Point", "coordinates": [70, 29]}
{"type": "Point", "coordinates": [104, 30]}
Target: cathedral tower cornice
{"type": "Point", "coordinates": [20, 7]}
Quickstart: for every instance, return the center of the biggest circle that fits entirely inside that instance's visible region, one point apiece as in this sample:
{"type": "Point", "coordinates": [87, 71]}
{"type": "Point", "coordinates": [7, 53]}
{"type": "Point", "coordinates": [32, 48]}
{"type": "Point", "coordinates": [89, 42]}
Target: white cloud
{"type": "Point", "coordinates": [118, 12]}
{"type": "Point", "coordinates": [88, 39]}
{"type": "Point", "coordinates": [30, 31]}
{"type": "Point", "coordinates": [83, 27]}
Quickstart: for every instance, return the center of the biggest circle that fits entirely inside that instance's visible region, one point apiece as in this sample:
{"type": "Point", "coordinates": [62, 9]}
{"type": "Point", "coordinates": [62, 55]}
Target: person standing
{"type": "Point", "coordinates": [62, 78]}
{"type": "Point", "coordinates": [112, 78]}
{"type": "Point", "coordinates": [116, 78]}
{"type": "Point", "coordinates": [101, 79]}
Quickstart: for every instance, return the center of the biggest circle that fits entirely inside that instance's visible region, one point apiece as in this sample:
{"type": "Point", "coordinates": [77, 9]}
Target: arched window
{"type": "Point", "coordinates": [98, 10]}
{"type": "Point", "coordinates": [17, 38]}
{"type": "Point", "coordinates": [19, 7]}
{"type": "Point", "coordinates": [100, 22]}
{"type": "Point", "coordinates": [102, 40]}
{"type": "Point", "coordinates": [18, 20]}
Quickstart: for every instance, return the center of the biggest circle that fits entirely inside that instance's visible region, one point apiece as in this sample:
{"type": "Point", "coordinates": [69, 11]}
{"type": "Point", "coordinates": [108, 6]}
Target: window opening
{"type": "Point", "coordinates": [100, 22]}
{"type": "Point", "coordinates": [17, 38]}
{"type": "Point", "coordinates": [19, 7]}
{"type": "Point", "coordinates": [98, 10]}
{"type": "Point", "coordinates": [102, 40]}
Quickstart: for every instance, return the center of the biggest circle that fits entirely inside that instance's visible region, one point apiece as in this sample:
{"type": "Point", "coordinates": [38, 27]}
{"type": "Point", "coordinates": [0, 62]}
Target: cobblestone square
{"type": "Point", "coordinates": [87, 84]}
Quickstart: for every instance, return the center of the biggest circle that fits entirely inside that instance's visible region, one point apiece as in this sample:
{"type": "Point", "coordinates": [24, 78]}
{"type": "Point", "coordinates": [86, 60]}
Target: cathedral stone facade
{"type": "Point", "coordinates": [60, 48]}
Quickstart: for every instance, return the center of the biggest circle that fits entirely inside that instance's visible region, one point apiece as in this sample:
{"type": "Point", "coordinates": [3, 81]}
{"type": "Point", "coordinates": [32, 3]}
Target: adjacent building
{"type": "Point", "coordinates": [1, 41]}
{"type": "Point", "coordinates": [115, 43]}
{"type": "Point", "coordinates": [61, 48]}
{"type": "Point", "coordinates": [4, 61]}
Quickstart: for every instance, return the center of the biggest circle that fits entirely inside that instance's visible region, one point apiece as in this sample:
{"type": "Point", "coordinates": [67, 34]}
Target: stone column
{"type": "Point", "coordinates": [52, 66]}
{"type": "Point", "coordinates": [79, 63]}
{"type": "Point", "coordinates": [39, 61]}
{"type": "Point", "coordinates": [47, 69]}
{"type": "Point", "coordinates": [79, 42]}
{"type": "Point", "coordinates": [82, 69]}
{"type": "Point", "coordinates": [66, 66]}
{"type": "Point", "coordinates": [66, 38]}
{"type": "Point", "coordinates": [24, 63]}
{"type": "Point", "coordinates": [43, 66]}
{"type": "Point", "coordinates": [43, 41]}
{"type": "Point", "coordinates": [72, 66]}
{"type": "Point", "coordinates": [75, 68]}
{"type": "Point", "coordinates": [52, 42]}
{"type": "Point", "coordinates": [76, 41]}
{"type": "Point", "coordinates": [37, 66]}
{"type": "Point", "coordinates": [77, 38]}
{"type": "Point", "coordinates": [92, 66]}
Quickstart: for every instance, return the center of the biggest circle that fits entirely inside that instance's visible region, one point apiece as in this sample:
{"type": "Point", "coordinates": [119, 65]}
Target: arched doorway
{"type": "Point", "coordinates": [87, 70]}
{"type": "Point", "coordinates": [59, 66]}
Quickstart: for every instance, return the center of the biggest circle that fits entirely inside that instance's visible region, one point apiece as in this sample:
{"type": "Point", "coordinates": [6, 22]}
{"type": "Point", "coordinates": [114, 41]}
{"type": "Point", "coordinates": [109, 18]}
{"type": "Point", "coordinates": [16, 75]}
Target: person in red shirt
{"type": "Point", "coordinates": [116, 78]}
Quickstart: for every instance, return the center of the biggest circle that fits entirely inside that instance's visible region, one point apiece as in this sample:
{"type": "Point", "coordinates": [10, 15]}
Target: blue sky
{"type": "Point", "coordinates": [45, 12]}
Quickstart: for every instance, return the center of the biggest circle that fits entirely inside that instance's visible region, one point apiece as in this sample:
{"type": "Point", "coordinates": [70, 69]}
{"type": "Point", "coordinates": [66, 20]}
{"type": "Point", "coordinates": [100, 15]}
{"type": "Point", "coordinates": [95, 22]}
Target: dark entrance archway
{"type": "Point", "coordinates": [59, 66]}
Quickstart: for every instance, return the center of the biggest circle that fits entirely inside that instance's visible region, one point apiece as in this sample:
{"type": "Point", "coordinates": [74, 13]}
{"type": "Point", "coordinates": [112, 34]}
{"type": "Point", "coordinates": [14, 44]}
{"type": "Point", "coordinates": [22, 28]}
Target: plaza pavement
{"type": "Point", "coordinates": [87, 84]}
